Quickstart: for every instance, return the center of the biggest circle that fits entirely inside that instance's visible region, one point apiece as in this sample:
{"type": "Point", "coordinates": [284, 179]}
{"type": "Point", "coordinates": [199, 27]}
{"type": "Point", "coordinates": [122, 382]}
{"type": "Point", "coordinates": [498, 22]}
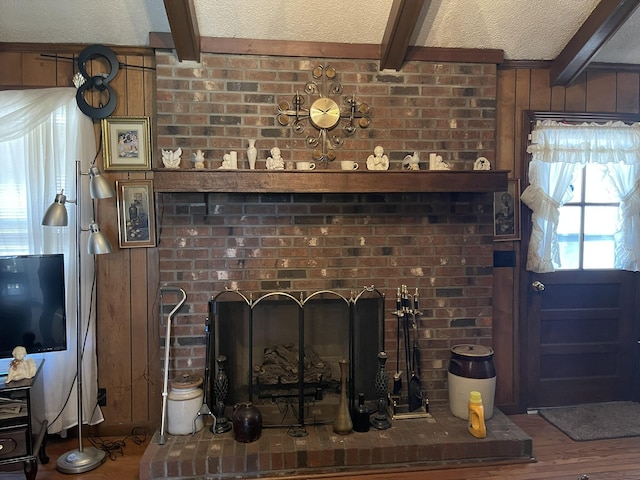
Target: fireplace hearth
{"type": "Point", "coordinates": [410, 444]}
{"type": "Point", "coordinates": [282, 352]}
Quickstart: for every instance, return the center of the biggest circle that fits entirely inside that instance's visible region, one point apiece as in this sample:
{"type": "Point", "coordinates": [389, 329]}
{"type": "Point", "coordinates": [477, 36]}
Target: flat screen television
{"type": "Point", "coordinates": [32, 303]}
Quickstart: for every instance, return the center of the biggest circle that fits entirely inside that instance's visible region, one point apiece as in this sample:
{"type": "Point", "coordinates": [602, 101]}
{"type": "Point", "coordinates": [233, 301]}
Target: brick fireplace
{"type": "Point", "coordinates": [300, 242]}
{"type": "Point", "coordinates": [440, 243]}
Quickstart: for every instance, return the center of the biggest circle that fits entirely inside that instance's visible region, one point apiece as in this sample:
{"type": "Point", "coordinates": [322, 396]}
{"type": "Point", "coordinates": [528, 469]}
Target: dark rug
{"type": "Point", "coordinates": [596, 421]}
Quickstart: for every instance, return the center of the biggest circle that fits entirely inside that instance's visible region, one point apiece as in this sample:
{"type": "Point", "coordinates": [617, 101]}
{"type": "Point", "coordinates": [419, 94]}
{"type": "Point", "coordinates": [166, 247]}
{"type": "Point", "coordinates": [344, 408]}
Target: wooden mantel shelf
{"type": "Point", "coordinates": [328, 181]}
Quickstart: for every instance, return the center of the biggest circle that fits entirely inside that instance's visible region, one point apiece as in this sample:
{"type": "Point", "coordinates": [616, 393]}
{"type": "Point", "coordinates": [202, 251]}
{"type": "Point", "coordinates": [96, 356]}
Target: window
{"type": "Point", "coordinates": [13, 218]}
{"type": "Point", "coordinates": [584, 194]}
{"type": "Point", "coordinates": [588, 222]}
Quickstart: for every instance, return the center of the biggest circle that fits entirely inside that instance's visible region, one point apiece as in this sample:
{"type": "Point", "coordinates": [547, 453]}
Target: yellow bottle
{"type": "Point", "coordinates": [477, 427]}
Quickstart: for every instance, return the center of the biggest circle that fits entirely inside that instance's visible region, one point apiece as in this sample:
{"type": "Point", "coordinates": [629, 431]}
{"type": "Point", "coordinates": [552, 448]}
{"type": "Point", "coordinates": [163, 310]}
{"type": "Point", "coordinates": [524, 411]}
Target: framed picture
{"type": "Point", "coordinates": [136, 214]}
{"type": "Point", "coordinates": [127, 144]}
{"type": "Point", "coordinates": [506, 212]}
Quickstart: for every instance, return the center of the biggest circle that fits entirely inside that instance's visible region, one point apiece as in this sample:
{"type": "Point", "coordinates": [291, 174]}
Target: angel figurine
{"type": "Point", "coordinates": [171, 159]}
{"type": "Point", "coordinates": [378, 161]}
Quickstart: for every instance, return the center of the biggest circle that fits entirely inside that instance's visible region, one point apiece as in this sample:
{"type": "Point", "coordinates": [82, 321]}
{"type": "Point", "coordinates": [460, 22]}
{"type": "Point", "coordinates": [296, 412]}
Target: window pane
{"type": "Point", "coordinates": [569, 237]}
{"type": "Point", "coordinates": [599, 228]}
{"type": "Point", "coordinates": [595, 188]}
{"type": "Point", "coordinates": [576, 186]}
{"type": "Point", "coordinates": [14, 226]}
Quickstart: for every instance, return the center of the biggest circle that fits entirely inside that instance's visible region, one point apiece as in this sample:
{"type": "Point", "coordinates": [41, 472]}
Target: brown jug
{"type": "Point", "coordinates": [247, 422]}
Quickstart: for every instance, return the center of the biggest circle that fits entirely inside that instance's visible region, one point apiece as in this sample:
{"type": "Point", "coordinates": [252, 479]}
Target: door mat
{"type": "Point", "coordinates": [595, 421]}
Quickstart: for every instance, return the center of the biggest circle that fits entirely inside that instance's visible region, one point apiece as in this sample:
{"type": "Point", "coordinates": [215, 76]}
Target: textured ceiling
{"type": "Point", "coordinates": [524, 29]}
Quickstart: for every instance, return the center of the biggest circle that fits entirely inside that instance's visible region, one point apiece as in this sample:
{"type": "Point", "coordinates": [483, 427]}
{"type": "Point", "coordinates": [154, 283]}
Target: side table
{"type": "Point", "coordinates": [23, 426]}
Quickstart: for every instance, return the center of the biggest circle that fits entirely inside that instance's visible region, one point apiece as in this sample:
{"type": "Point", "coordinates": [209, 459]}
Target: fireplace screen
{"type": "Point", "coordinates": [281, 353]}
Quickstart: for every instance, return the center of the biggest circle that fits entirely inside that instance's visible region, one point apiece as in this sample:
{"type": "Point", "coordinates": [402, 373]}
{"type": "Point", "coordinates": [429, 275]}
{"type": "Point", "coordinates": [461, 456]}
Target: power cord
{"type": "Point", "coordinates": [114, 448]}
{"type": "Point", "coordinates": [84, 344]}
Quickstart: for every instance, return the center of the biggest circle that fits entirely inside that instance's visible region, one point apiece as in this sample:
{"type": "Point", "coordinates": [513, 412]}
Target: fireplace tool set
{"type": "Point", "coordinates": [412, 403]}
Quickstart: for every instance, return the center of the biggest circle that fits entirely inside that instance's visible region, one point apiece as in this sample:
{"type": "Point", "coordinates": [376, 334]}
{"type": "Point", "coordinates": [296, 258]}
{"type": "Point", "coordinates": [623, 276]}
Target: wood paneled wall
{"type": "Point", "coordinates": [127, 324]}
{"type": "Point", "coordinates": [529, 89]}
{"type": "Point", "coordinates": [128, 327]}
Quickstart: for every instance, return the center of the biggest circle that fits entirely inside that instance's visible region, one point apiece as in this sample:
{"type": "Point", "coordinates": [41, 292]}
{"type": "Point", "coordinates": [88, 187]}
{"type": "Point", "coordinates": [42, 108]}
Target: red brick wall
{"type": "Point", "coordinates": [218, 105]}
{"type": "Point", "coordinates": [440, 243]}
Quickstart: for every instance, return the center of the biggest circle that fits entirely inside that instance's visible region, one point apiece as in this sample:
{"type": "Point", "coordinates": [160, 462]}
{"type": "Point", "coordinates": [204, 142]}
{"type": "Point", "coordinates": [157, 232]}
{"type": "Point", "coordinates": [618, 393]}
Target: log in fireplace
{"type": "Point", "coordinates": [281, 352]}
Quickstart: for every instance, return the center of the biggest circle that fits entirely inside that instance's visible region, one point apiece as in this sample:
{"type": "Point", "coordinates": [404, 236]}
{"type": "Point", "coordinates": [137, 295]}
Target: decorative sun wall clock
{"type": "Point", "coordinates": [324, 114]}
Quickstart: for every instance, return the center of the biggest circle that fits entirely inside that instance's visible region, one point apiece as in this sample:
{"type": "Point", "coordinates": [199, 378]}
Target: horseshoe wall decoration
{"type": "Point", "coordinates": [99, 81]}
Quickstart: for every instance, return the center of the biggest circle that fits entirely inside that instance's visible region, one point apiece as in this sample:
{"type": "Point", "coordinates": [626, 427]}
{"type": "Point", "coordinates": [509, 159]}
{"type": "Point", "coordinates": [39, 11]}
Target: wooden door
{"type": "Point", "coordinates": [581, 339]}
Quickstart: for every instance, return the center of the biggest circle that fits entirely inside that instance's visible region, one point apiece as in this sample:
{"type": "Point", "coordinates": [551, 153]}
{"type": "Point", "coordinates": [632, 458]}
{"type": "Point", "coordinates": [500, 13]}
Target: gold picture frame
{"type": "Point", "coordinates": [127, 143]}
{"type": "Point", "coordinates": [506, 212]}
{"type": "Point", "coordinates": [136, 214]}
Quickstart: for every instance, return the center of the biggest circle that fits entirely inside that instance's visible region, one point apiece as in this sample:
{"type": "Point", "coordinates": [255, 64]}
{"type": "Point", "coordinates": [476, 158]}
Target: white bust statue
{"type": "Point", "coordinates": [21, 367]}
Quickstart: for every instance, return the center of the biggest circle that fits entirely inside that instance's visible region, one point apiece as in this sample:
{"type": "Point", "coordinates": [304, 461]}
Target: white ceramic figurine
{"type": "Point", "coordinates": [198, 160]}
{"type": "Point", "coordinates": [378, 161]}
{"type": "Point", "coordinates": [20, 367]}
{"type": "Point", "coordinates": [481, 164]}
{"type": "Point", "coordinates": [171, 159]}
{"type": "Point", "coordinates": [411, 162]}
{"type": "Point", "coordinates": [275, 161]}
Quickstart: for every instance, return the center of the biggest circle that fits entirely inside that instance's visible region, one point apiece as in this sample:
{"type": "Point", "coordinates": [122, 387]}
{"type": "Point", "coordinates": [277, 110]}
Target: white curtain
{"type": "Point", "coordinates": [42, 134]}
{"type": "Point", "coordinates": [559, 151]}
{"type": "Point", "coordinates": [623, 179]}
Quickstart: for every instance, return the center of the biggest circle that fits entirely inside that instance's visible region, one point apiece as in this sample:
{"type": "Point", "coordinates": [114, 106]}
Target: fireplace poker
{"type": "Point", "coordinates": [397, 377]}
{"type": "Point", "coordinates": [167, 345]}
{"type": "Point", "coordinates": [415, 386]}
{"type": "Point", "coordinates": [205, 409]}
{"type": "Point", "coordinates": [406, 309]}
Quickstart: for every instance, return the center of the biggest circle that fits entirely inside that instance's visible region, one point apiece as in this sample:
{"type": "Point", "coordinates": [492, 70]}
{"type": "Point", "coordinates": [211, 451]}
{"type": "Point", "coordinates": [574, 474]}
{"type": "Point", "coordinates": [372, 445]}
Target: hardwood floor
{"type": "Point", "coordinates": [558, 458]}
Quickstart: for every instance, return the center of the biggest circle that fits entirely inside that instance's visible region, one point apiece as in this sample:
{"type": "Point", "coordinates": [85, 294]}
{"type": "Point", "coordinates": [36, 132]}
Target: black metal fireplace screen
{"type": "Point", "coordinates": [281, 353]}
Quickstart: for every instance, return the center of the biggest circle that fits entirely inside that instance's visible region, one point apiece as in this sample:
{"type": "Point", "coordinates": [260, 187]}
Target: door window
{"type": "Point", "coordinates": [588, 222]}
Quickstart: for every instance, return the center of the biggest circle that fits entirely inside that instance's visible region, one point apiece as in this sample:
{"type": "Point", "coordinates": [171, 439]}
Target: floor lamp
{"type": "Point", "coordinates": [81, 459]}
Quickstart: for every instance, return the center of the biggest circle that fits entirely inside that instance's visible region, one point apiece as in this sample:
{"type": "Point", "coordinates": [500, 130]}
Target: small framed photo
{"type": "Point", "coordinates": [127, 143]}
{"type": "Point", "coordinates": [136, 214]}
{"type": "Point", "coordinates": [506, 213]}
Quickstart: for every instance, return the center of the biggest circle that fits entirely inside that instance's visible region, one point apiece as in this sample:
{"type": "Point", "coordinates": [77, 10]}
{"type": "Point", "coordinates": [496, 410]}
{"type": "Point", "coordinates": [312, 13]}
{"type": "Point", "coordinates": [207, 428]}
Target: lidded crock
{"type": "Point", "coordinates": [472, 361]}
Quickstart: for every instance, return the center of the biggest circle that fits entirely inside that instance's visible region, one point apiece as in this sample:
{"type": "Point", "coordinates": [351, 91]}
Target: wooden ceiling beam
{"type": "Point", "coordinates": [358, 51]}
{"type": "Point", "coordinates": [604, 21]}
{"type": "Point", "coordinates": [401, 24]}
{"type": "Point", "coordinates": [184, 28]}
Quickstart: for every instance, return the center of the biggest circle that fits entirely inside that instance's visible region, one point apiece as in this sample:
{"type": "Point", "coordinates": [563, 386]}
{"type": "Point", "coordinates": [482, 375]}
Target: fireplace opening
{"type": "Point", "coordinates": [282, 353]}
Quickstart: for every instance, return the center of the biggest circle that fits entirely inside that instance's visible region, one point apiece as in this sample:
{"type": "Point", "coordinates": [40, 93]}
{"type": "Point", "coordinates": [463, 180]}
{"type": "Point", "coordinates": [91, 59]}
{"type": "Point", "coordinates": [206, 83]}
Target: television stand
{"type": "Point", "coordinates": [23, 426]}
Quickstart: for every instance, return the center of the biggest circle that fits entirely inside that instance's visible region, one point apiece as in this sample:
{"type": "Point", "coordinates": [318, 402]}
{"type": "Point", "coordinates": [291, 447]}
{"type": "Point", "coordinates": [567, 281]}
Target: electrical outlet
{"type": "Point", "coordinates": [102, 397]}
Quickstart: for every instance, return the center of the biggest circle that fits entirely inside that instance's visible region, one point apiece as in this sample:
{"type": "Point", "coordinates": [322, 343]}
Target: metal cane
{"type": "Point", "coordinates": [167, 345]}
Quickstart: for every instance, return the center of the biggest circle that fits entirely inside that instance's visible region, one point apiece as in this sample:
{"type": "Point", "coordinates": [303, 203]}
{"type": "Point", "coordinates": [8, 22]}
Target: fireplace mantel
{"type": "Point", "coordinates": [328, 181]}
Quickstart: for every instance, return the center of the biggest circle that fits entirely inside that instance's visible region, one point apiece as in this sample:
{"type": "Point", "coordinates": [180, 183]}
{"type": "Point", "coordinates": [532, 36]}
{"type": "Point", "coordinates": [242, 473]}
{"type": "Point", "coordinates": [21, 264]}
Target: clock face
{"type": "Point", "coordinates": [324, 113]}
